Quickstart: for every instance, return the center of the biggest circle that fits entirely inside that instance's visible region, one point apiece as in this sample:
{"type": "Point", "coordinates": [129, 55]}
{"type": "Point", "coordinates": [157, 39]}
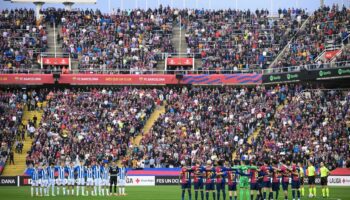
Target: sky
{"type": "Point", "coordinates": [106, 5]}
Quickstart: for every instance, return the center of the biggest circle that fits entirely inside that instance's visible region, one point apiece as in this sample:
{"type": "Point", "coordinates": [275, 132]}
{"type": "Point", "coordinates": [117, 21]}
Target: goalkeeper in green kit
{"type": "Point", "coordinates": [242, 170]}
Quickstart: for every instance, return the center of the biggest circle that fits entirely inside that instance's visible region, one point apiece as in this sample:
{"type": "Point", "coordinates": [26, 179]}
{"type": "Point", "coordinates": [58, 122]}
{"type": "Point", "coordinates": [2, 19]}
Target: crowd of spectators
{"type": "Point", "coordinates": [122, 41]}
{"type": "Point", "coordinates": [313, 125]}
{"type": "Point", "coordinates": [11, 108]}
{"type": "Point", "coordinates": [205, 123]}
{"type": "Point", "coordinates": [91, 124]}
{"type": "Point", "coordinates": [235, 39]}
{"type": "Point", "coordinates": [328, 29]}
{"type": "Point", "coordinates": [21, 39]}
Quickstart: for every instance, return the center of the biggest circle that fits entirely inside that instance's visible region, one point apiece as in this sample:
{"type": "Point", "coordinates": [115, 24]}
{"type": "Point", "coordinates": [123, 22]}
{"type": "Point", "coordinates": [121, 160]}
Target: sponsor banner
{"type": "Point", "coordinates": [330, 54]}
{"type": "Point", "coordinates": [117, 79]}
{"type": "Point", "coordinates": [179, 61]}
{"type": "Point", "coordinates": [222, 79]}
{"type": "Point", "coordinates": [167, 180]}
{"type": "Point", "coordinates": [339, 180]}
{"type": "Point", "coordinates": [283, 77]}
{"type": "Point", "coordinates": [139, 181]}
{"type": "Point", "coordinates": [25, 180]}
{"type": "Point", "coordinates": [158, 79]}
{"type": "Point", "coordinates": [55, 61]}
{"type": "Point", "coordinates": [8, 180]}
{"type": "Point", "coordinates": [26, 79]}
{"type": "Point", "coordinates": [332, 73]}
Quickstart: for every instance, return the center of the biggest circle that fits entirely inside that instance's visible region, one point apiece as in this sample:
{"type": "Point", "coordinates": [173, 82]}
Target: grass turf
{"type": "Point", "coordinates": [155, 193]}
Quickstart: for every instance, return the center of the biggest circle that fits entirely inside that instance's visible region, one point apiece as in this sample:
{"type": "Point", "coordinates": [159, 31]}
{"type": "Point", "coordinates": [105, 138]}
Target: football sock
{"type": "Point", "coordinates": [327, 192]}
{"type": "Point", "coordinates": [323, 192]}
{"type": "Point", "coordinates": [264, 195]}
{"type": "Point", "coordinates": [241, 194]}
{"type": "Point", "coordinates": [189, 193]}
{"type": "Point", "coordinates": [277, 193]}
{"type": "Point", "coordinates": [32, 191]}
{"type": "Point", "coordinates": [218, 194]}
{"type": "Point", "coordinates": [207, 195]}
{"type": "Point", "coordinates": [182, 194]}
{"type": "Point", "coordinates": [202, 195]}
{"type": "Point", "coordinates": [214, 196]}
{"type": "Point", "coordinates": [293, 194]}
{"type": "Point", "coordinates": [302, 191]}
{"type": "Point", "coordinates": [196, 195]}
{"type": "Point", "coordinates": [314, 191]}
{"type": "Point", "coordinates": [224, 194]}
{"type": "Point", "coordinates": [247, 194]}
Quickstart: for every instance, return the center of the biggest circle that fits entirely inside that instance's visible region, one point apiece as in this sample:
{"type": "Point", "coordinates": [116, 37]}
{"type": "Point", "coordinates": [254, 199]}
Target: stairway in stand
{"type": "Point", "coordinates": [20, 159]}
{"type": "Point", "coordinates": [151, 120]}
{"type": "Point", "coordinates": [257, 131]}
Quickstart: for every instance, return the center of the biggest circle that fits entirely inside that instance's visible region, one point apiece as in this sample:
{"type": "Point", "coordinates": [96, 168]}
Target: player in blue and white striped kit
{"type": "Point", "coordinates": [51, 174]}
{"type": "Point", "coordinates": [122, 179]}
{"type": "Point", "coordinates": [61, 180]}
{"type": "Point", "coordinates": [97, 178]}
{"type": "Point", "coordinates": [35, 180]}
{"type": "Point", "coordinates": [89, 179]}
{"type": "Point", "coordinates": [80, 178]}
{"type": "Point", "coordinates": [44, 180]}
{"type": "Point", "coordinates": [105, 179]}
{"type": "Point", "coordinates": [71, 180]}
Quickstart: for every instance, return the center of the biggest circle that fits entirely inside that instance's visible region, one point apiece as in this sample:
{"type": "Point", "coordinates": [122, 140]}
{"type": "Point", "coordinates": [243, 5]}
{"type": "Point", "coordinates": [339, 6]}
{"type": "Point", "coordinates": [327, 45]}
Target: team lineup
{"type": "Point", "coordinates": [98, 178]}
{"type": "Point", "coordinates": [259, 180]}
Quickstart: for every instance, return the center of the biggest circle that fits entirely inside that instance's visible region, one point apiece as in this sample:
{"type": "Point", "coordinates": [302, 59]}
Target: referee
{"type": "Point", "coordinates": [311, 176]}
{"type": "Point", "coordinates": [324, 176]}
{"type": "Point", "coordinates": [113, 171]}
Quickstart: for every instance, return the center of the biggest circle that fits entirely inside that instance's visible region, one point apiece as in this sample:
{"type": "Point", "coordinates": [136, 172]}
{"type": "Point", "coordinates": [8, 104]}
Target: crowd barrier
{"type": "Point", "coordinates": [273, 77]}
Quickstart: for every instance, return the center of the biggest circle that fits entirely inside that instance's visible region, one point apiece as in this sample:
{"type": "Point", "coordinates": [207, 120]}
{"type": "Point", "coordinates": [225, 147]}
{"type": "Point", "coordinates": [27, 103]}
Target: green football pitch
{"type": "Point", "coordinates": [153, 193]}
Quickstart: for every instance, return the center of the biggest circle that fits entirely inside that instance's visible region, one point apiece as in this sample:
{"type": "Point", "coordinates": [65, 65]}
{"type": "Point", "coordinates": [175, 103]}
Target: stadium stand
{"type": "Point", "coordinates": [235, 40]}
{"type": "Point", "coordinates": [312, 125]}
{"type": "Point", "coordinates": [129, 41]}
{"type": "Point", "coordinates": [206, 123]}
{"type": "Point", "coordinates": [21, 40]}
{"type": "Point", "coordinates": [328, 29]}
{"type": "Point", "coordinates": [11, 109]}
{"type": "Point", "coordinates": [93, 124]}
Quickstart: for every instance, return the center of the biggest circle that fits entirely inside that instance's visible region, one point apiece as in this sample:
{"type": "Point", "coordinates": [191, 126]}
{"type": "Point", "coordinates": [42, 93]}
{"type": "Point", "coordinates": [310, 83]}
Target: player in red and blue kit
{"type": "Point", "coordinates": [209, 171]}
{"type": "Point", "coordinates": [276, 179]}
{"type": "Point", "coordinates": [253, 181]}
{"type": "Point", "coordinates": [266, 169]}
{"type": "Point", "coordinates": [260, 184]}
{"type": "Point", "coordinates": [232, 182]}
{"type": "Point", "coordinates": [295, 172]}
{"type": "Point", "coordinates": [220, 172]}
{"type": "Point", "coordinates": [285, 178]}
{"type": "Point", "coordinates": [185, 178]}
{"type": "Point", "coordinates": [198, 180]}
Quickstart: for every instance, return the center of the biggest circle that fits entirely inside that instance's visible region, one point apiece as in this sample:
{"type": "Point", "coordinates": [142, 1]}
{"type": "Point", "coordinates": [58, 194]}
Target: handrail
{"type": "Point", "coordinates": [189, 71]}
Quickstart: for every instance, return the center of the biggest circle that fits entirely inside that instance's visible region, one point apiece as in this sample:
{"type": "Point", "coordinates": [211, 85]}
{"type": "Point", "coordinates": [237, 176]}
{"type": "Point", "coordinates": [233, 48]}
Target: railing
{"type": "Point", "coordinates": [189, 71]}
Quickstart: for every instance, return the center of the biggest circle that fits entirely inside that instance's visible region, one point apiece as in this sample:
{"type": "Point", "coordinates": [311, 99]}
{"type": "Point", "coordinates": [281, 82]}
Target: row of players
{"type": "Point", "coordinates": [254, 178]}
{"type": "Point", "coordinates": [96, 176]}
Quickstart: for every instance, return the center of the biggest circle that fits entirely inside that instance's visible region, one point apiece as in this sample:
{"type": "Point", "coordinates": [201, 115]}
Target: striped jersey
{"type": "Point", "coordinates": [122, 173]}
{"type": "Point", "coordinates": [70, 171]}
{"type": "Point", "coordinates": [96, 171]}
{"type": "Point", "coordinates": [51, 172]}
{"type": "Point", "coordinates": [80, 171]}
{"type": "Point", "coordinates": [43, 174]}
{"type": "Point", "coordinates": [35, 174]}
{"type": "Point", "coordinates": [61, 171]}
{"type": "Point", "coordinates": [105, 172]}
{"type": "Point", "coordinates": [89, 172]}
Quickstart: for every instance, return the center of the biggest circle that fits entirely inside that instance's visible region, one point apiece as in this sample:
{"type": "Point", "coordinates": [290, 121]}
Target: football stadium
{"type": "Point", "coordinates": [175, 99]}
